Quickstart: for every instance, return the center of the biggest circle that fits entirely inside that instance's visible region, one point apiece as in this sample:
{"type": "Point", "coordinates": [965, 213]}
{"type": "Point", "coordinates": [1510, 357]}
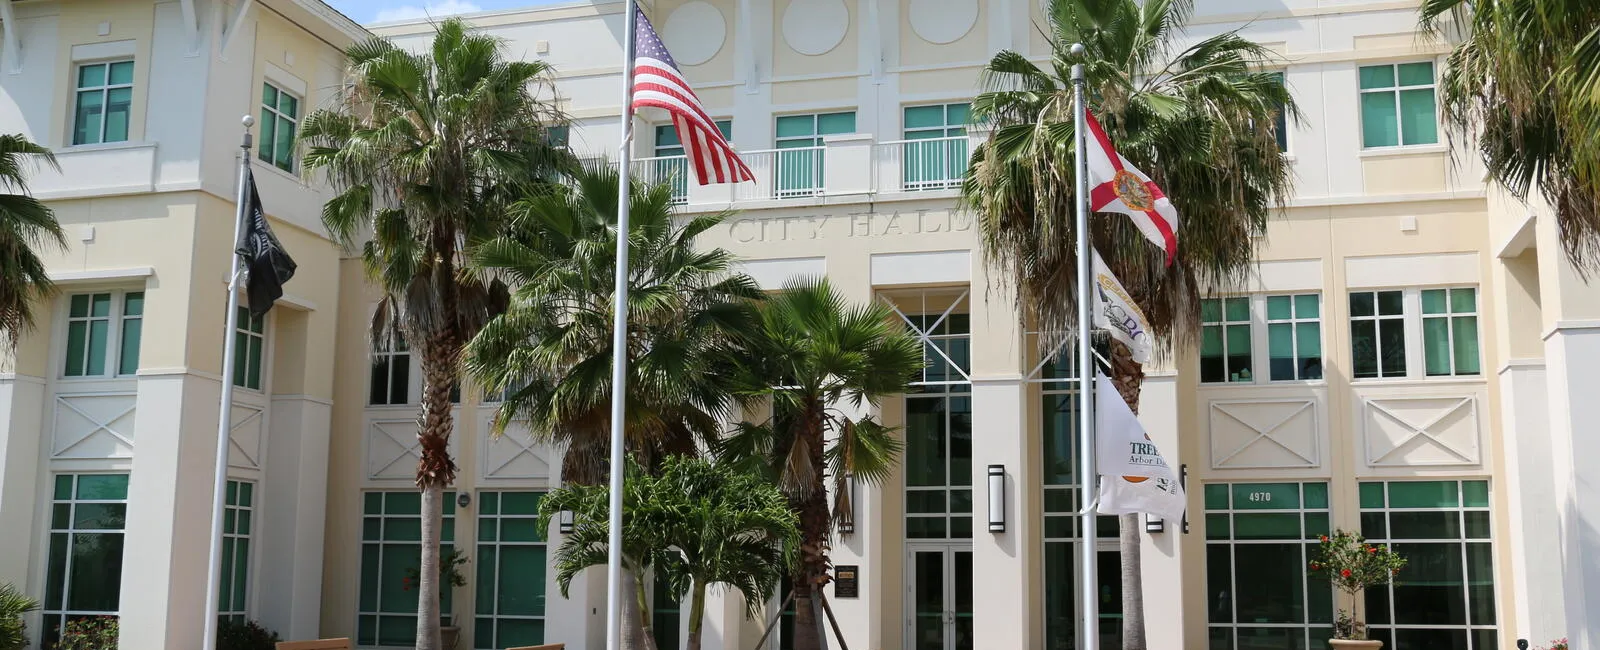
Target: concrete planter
{"type": "Point", "coordinates": [1348, 644]}
{"type": "Point", "coordinates": [448, 635]}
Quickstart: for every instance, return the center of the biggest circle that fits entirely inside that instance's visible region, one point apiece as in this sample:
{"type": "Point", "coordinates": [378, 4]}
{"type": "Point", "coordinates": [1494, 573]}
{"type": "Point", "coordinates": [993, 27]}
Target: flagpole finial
{"type": "Point", "coordinates": [248, 121]}
{"type": "Point", "coordinates": [1076, 50]}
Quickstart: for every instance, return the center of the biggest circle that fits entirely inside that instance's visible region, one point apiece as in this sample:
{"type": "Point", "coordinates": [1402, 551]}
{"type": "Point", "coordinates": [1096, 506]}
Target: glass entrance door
{"type": "Point", "coordinates": [940, 597]}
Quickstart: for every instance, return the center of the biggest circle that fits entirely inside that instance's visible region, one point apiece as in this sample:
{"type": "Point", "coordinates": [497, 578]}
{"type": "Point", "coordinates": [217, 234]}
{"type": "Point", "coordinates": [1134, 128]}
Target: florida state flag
{"type": "Point", "coordinates": [1115, 185]}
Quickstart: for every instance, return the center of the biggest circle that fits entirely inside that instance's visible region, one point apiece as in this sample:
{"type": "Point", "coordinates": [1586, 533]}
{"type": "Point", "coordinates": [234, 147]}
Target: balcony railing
{"type": "Point", "coordinates": [844, 166]}
{"type": "Point", "coordinates": [926, 164]}
{"type": "Point", "coordinates": [669, 170]}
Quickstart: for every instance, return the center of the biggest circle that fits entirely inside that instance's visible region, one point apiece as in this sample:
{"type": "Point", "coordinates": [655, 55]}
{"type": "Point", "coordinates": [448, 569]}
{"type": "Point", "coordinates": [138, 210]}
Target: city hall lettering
{"type": "Point", "coordinates": [748, 230]}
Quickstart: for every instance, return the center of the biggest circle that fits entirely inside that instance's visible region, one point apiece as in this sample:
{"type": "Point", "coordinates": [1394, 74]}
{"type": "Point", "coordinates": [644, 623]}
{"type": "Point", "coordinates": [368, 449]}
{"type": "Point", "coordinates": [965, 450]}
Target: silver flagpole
{"type": "Point", "coordinates": [225, 414]}
{"type": "Point", "coordinates": [1090, 588]}
{"type": "Point", "coordinates": [619, 343]}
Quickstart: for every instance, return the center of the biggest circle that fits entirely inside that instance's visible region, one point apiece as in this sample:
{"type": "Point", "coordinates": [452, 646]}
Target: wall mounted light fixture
{"type": "Point", "coordinates": [1154, 524]}
{"type": "Point", "coordinates": [847, 524]}
{"type": "Point", "coordinates": [997, 498]}
{"type": "Point", "coordinates": [566, 522]}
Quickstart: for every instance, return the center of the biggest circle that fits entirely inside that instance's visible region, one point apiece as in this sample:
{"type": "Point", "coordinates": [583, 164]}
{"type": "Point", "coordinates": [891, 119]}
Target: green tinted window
{"type": "Point", "coordinates": [1225, 346]}
{"type": "Point", "coordinates": [84, 568]}
{"type": "Point", "coordinates": [1266, 496]}
{"type": "Point", "coordinates": [1398, 106]}
{"type": "Point", "coordinates": [390, 550]}
{"type": "Point", "coordinates": [1256, 558]}
{"type": "Point", "coordinates": [236, 532]}
{"type": "Point", "coordinates": [1423, 494]}
{"type": "Point", "coordinates": [103, 103]}
{"type": "Point", "coordinates": [1450, 331]}
{"type": "Point", "coordinates": [280, 113]}
{"type": "Point", "coordinates": [511, 565]}
{"type": "Point", "coordinates": [1447, 590]}
{"type": "Point", "coordinates": [249, 349]}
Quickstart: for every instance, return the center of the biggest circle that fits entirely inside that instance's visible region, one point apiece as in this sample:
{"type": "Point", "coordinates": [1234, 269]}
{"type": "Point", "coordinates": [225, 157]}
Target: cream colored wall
{"type": "Point", "coordinates": [341, 543]}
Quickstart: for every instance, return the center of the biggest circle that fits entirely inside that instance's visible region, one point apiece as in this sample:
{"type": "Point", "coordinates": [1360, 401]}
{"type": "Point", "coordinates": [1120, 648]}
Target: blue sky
{"type": "Point", "coordinates": [367, 11]}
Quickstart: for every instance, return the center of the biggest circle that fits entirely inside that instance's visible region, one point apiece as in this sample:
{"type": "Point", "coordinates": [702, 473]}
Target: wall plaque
{"type": "Point", "coordinates": [845, 582]}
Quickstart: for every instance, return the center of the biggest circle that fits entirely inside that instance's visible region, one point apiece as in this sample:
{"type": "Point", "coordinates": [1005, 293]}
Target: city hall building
{"type": "Point", "coordinates": [1413, 358]}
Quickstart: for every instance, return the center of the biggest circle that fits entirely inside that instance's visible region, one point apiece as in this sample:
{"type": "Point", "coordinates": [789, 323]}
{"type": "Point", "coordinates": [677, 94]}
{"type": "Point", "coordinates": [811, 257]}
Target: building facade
{"type": "Point", "coordinates": [108, 428]}
{"type": "Point", "coordinates": [1410, 360]}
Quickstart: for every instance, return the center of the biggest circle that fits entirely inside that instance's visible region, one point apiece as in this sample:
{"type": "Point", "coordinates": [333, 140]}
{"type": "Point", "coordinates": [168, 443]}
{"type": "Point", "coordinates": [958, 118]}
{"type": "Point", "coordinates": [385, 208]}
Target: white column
{"type": "Point", "coordinates": [1535, 549]}
{"type": "Point", "coordinates": [166, 543]}
{"type": "Point", "coordinates": [22, 433]}
{"type": "Point", "coordinates": [292, 516]}
{"type": "Point", "coordinates": [1001, 562]}
{"type": "Point", "coordinates": [1161, 555]}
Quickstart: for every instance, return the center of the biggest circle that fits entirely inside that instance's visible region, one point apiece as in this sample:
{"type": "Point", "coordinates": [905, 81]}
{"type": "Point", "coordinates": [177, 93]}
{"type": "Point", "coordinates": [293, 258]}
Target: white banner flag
{"type": "Point", "coordinates": [1133, 475]}
{"type": "Point", "coordinates": [1124, 495]}
{"type": "Point", "coordinates": [1115, 312]}
{"type": "Point", "coordinates": [1121, 444]}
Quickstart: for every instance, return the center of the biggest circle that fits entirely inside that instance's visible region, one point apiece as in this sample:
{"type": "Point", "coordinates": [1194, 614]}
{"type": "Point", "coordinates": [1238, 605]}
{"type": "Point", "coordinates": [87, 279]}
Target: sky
{"type": "Point", "coordinates": [370, 11]}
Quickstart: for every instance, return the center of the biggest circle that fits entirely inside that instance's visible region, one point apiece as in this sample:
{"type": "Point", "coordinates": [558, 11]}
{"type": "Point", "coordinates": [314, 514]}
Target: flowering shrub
{"type": "Point", "coordinates": [90, 633]}
{"type": "Point", "coordinates": [1558, 644]}
{"type": "Point", "coordinates": [1348, 562]}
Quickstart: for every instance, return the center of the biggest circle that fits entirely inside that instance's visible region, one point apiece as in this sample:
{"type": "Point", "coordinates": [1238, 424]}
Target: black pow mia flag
{"type": "Point", "coordinates": [266, 265]}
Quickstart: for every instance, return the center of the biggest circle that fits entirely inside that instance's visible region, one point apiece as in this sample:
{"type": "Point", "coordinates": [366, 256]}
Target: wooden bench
{"type": "Point", "coordinates": [320, 644]}
{"type": "Point", "coordinates": [552, 646]}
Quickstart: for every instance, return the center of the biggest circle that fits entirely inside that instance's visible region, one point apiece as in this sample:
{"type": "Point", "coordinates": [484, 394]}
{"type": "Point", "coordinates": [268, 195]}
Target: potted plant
{"type": "Point", "coordinates": [1352, 565]}
{"type": "Point", "coordinates": [450, 577]}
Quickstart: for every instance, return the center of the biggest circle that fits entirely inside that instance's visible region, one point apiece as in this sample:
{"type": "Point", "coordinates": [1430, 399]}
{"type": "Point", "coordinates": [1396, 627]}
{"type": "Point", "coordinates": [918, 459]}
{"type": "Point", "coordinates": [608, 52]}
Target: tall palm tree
{"type": "Point", "coordinates": [1200, 119]}
{"type": "Point", "coordinates": [550, 352]}
{"type": "Point", "coordinates": [724, 527]}
{"type": "Point", "coordinates": [26, 224]}
{"type": "Point", "coordinates": [1525, 81]}
{"type": "Point", "coordinates": [427, 151]}
{"type": "Point", "coordinates": [811, 353]}
{"type": "Point", "coordinates": [551, 349]}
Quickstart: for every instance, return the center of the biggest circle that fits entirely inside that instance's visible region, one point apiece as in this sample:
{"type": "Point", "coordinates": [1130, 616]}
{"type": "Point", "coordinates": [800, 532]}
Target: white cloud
{"type": "Point", "coordinates": [428, 10]}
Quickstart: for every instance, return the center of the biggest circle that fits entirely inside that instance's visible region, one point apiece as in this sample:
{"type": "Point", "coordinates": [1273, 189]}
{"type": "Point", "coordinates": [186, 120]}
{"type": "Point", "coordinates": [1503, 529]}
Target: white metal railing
{"type": "Point", "coordinates": [669, 170]}
{"type": "Point", "coordinates": [782, 174]}
{"type": "Point", "coordinates": [923, 164]}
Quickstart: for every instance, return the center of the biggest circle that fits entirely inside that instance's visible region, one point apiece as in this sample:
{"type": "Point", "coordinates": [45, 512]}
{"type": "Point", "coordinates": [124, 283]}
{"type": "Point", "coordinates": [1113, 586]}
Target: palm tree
{"type": "Point", "coordinates": [550, 352]}
{"type": "Point", "coordinates": [1199, 119]}
{"type": "Point", "coordinates": [1525, 80]}
{"type": "Point", "coordinates": [811, 353]}
{"type": "Point", "coordinates": [723, 527]}
{"type": "Point", "coordinates": [589, 542]}
{"type": "Point", "coordinates": [551, 349]}
{"type": "Point", "coordinates": [25, 225]}
{"type": "Point", "coordinates": [13, 606]}
{"type": "Point", "coordinates": [427, 152]}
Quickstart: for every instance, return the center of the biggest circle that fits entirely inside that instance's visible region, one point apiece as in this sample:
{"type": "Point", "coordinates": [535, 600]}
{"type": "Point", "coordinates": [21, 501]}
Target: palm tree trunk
{"type": "Point", "coordinates": [435, 472]}
{"type": "Point", "coordinates": [697, 611]}
{"type": "Point", "coordinates": [642, 629]}
{"type": "Point", "coordinates": [1128, 377]}
{"type": "Point", "coordinates": [815, 527]}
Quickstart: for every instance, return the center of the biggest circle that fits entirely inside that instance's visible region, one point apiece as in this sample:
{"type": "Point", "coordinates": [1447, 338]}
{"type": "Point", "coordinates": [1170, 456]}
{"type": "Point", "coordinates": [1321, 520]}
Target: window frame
{"type": "Point", "coordinates": [1449, 316]}
{"type": "Point", "coordinates": [1226, 324]}
{"type": "Point", "coordinates": [117, 320]}
{"type": "Point", "coordinates": [447, 543]}
{"type": "Point", "coordinates": [1396, 90]}
{"type": "Point", "coordinates": [244, 334]}
{"type": "Point", "coordinates": [262, 151]}
{"type": "Point", "coordinates": [388, 350]}
{"type": "Point", "coordinates": [1463, 540]}
{"type": "Point", "coordinates": [492, 615]}
{"type": "Point", "coordinates": [943, 331]}
{"type": "Point", "coordinates": [240, 504]}
{"type": "Point", "coordinates": [105, 99]}
{"type": "Point", "coordinates": [805, 153]}
{"type": "Point", "coordinates": [1280, 122]}
{"type": "Point", "coordinates": [1294, 321]}
{"type": "Point", "coordinates": [1415, 347]}
{"type": "Point", "coordinates": [953, 151]}
{"type": "Point", "coordinates": [65, 612]}
{"type": "Point", "coordinates": [1307, 538]}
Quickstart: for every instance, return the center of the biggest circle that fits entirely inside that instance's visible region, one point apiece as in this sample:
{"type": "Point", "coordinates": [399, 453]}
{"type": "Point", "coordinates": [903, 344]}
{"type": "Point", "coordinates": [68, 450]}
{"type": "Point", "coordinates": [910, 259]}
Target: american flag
{"type": "Point", "coordinates": [658, 83]}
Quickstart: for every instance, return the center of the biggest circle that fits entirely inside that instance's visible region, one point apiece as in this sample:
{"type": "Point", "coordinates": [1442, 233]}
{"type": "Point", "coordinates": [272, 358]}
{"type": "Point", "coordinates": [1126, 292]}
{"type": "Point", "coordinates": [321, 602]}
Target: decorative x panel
{"type": "Point", "coordinates": [1265, 434]}
{"type": "Point", "coordinates": [244, 437]}
{"type": "Point", "coordinates": [392, 448]}
{"type": "Point", "coordinates": [513, 454]}
{"type": "Point", "coordinates": [99, 425]}
{"type": "Point", "coordinates": [1409, 431]}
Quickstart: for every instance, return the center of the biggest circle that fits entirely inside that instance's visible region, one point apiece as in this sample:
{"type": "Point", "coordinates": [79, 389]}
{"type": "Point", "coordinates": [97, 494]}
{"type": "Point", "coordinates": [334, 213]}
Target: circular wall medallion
{"type": "Point", "coordinates": [943, 21]}
{"type": "Point", "coordinates": [814, 27]}
{"type": "Point", "coordinates": [694, 32]}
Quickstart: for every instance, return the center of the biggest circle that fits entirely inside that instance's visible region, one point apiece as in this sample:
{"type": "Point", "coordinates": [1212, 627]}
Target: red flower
{"type": "Point", "coordinates": [1345, 573]}
{"type": "Point", "coordinates": [1324, 539]}
{"type": "Point", "coordinates": [1372, 549]}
